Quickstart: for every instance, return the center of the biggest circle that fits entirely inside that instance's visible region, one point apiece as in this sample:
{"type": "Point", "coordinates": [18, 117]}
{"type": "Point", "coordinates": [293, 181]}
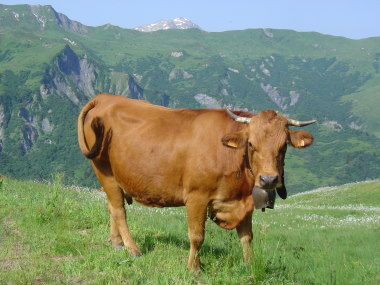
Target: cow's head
{"type": "Point", "coordinates": [265, 141]}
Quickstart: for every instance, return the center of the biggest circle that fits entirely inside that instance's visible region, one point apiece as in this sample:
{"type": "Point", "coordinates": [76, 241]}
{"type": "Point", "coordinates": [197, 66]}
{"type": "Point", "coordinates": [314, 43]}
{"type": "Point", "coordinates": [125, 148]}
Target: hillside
{"type": "Point", "coordinates": [51, 66]}
{"type": "Point", "coordinates": [360, 195]}
{"type": "Point", "coordinates": [327, 236]}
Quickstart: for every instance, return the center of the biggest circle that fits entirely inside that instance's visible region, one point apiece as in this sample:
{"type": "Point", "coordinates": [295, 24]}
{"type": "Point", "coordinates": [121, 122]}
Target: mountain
{"type": "Point", "coordinates": [50, 66]}
{"type": "Point", "coordinates": [178, 23]}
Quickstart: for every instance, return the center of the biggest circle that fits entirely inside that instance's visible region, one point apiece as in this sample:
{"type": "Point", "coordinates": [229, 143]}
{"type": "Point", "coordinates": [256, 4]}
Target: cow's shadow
{"type": "Point", "coordinates": [149, 243]}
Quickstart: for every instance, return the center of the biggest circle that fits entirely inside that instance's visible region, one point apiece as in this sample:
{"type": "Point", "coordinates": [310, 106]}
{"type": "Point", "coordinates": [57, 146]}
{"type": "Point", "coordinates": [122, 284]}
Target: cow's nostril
{"type": "Point", "coordinates": [268, 181]}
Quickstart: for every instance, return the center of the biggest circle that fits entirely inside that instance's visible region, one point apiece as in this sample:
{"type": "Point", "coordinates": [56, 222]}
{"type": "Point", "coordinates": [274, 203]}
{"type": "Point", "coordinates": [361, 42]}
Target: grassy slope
{"type": "Point", "coordinates": [365, 104]}
{"type": "Point", "coordinates": [329, 236]}
{"type": "Point", "coordinates": [234, 45]}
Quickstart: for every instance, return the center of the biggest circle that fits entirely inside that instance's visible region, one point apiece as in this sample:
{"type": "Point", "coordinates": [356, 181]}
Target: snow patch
{"type": "Point", "coordinates": [177, 23]}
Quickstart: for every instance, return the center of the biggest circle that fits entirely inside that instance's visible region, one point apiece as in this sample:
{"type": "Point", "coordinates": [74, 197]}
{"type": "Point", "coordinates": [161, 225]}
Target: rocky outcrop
{"type": "Point", "coordinates": [37, 12]}
{"type": "Point", "coordinates": [81, 72]}
{"type": "Point", "coordinates": [28, 130]}
{"type": "Point", "coordinates": [265, 70]}
{"type": "Point", "coordinates": [274, 95]}
{"type": "Point", "coordinates": [333, 125]}
{"type": "Point", "coordinates": [179, 74]}
{"type": "Point", "coordinates": [78, 79]}
{"type": "Point", "coordinates": [294, 96]}
{"type": "Point", "coordinates": [44, 92]}
{"type": "Point", "coordinates": [355, 126]}
{"type": "Point", "coordinates": [47, 127]}
{"type": "Point", "coordinates": [282, 101]}
{"type": "Point", "coordinates": [176, 53]}
{"type": "Point", "coordinates": [71, 76]}
{"type": "Point", "coordinates": [135, 90]}
{"type": "Point", "coordinates": [268, 33]}
{"type": "Point", "coordinates": [207, 101]}
{"type": "Point", "coordinates": [2, 127]}
{"type": "Point", "coordinates": [120, 83]}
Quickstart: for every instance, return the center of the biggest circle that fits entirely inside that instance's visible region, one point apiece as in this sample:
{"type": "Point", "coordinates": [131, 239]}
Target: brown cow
{"type": "Point", "coordinates": [201, 159]}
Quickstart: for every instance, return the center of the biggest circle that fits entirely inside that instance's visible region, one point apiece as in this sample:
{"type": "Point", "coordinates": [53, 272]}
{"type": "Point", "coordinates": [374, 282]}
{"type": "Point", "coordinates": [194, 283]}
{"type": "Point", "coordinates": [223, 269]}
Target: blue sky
{"type": "Point", "coordinates": [349, 18]}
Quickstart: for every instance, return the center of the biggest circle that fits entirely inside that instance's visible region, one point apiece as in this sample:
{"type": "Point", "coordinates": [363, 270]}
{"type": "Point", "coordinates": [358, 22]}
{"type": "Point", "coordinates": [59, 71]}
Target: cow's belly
{"type": "Point", "coordinates": [152, 191]}
{"type": "Point", "coordinates": [156, 198]}
{"type": "Point", "coordinates": [158, 201]}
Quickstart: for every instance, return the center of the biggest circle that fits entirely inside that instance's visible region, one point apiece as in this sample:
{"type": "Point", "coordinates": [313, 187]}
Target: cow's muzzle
{"type": "Point", "coordinates": [268, 181]}
{"type": "Point", "coordinates": [263, 198]}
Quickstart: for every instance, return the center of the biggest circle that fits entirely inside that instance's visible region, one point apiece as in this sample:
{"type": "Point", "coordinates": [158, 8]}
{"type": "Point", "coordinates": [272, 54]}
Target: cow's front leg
{"type": "Point", "coordinates": [196, 217]}
{"type": "Point", "coordinates": [244, 231]}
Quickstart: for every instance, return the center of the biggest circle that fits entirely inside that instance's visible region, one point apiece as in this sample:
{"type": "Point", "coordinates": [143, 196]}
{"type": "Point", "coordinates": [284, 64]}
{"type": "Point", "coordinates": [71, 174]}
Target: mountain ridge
{"type": "Point", "coordinates": [16, 9]}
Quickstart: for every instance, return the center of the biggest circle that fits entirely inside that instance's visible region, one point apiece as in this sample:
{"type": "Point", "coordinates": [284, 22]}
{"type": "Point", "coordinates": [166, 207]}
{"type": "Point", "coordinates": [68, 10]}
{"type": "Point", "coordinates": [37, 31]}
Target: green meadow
{"type": "Point", "coordinates": [51, 234]}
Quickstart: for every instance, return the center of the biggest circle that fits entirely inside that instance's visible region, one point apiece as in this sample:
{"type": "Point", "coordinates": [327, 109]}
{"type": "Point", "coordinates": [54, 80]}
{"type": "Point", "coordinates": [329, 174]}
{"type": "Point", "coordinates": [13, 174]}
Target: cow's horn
{"type": "Point", "coordinates": [300, 123]}
{"type": "Point", "coordinates": [238, 118]}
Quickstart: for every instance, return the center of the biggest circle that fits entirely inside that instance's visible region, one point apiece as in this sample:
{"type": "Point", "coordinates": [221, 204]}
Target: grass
{"type": "Point", "coordinates": [58, 235]}
{"type": "Point", "coordinates": [363, 102]}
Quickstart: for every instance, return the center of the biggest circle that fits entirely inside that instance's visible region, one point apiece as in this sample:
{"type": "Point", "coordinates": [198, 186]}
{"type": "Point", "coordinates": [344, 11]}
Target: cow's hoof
{"type": "Point", "coordinates": [137, 255]}
{"type": "Point", "coordinates": [118, 247]}
{"type": "Point", "coordinates": [196, 271]}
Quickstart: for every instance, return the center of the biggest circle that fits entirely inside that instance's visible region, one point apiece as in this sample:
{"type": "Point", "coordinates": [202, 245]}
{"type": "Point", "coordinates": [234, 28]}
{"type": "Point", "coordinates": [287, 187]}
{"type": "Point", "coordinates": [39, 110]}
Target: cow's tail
{"type": "Point", "coordinates": [97, 127]}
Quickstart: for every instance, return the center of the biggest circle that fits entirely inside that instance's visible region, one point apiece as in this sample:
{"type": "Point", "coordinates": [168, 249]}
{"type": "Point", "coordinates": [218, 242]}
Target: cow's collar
{"type": "Point", "coordinates": [246, 158]}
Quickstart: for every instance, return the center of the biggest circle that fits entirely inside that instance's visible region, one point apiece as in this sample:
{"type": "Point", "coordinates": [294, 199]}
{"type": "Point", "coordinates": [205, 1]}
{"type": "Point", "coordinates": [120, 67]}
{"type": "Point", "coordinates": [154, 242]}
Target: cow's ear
{"type": "Point", "coordinates": [300, 138]}
{"type": "Point", "coordinates": [235, 140]}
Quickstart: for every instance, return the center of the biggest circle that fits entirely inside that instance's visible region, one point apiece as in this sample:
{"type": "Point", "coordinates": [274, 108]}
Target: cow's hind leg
{"type": "Point", "coordinates": [119, 233]}
{"type": "Point", "coordinates": [244, 231]}
{"type": "Point", "coordinates": [115, 237]}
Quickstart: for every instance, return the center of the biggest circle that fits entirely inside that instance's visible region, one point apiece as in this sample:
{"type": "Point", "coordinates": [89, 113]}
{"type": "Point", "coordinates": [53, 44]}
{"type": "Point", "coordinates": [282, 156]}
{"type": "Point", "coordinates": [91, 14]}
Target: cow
{"type": "Point", "coordinates": [208, 160]}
